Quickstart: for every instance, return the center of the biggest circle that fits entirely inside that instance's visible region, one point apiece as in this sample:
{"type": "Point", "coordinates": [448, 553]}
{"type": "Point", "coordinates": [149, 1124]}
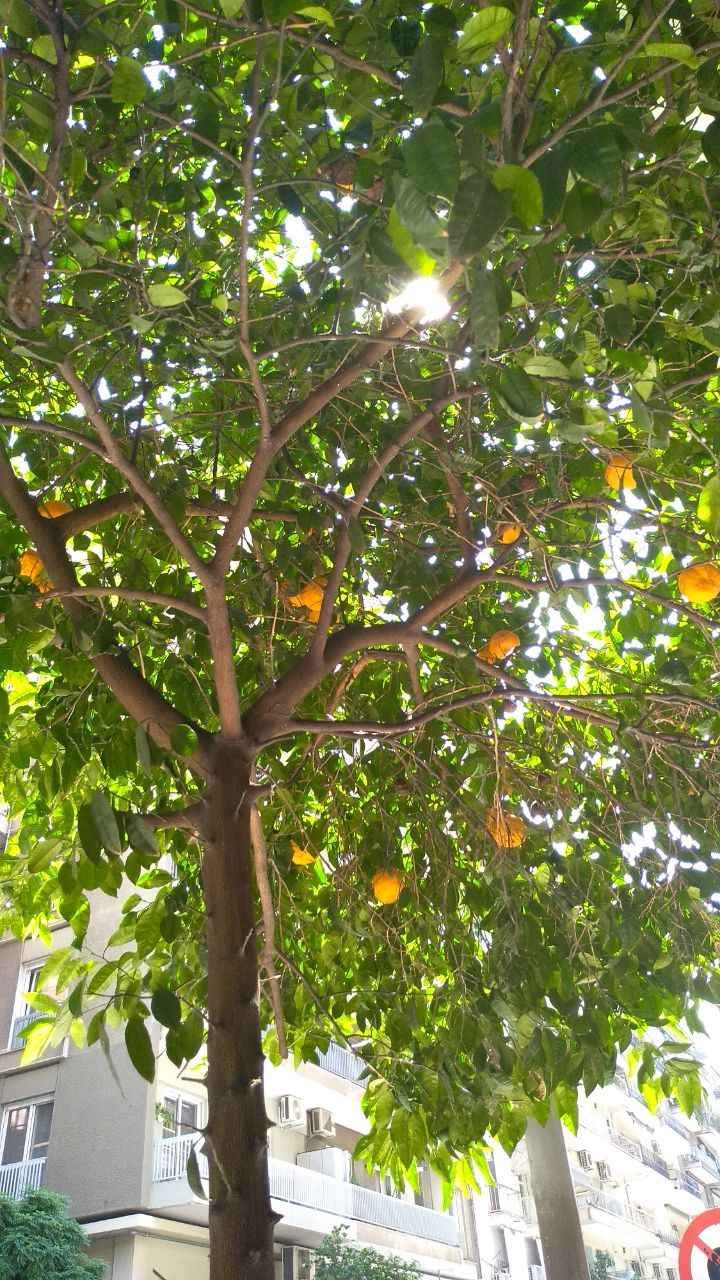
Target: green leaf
{"type": "Point", "coordinates": [425, 228]}
{"type": "Point", "coordinates": [128, 85]}
{"type": "Point", "coordinates": [192, 1034]}
{"type": "Point", "coordinates": [166, 1007]}
{"type": "Point", "coordinates": [183, 739]}
{"type": "Point", "coordinates": [518, 395]}
{"type": "Point", "coordinates": [140, 835]}
{"type": "Point", "coordinates": [546, 367]}
{"type": "Point", "coordinates": [619, 322]}
{"type": "Point", "coordinates": [478, 212]}
{"type": "Point", "coordinates": [432, 159]}
{"type": "Point", "coordinates": [551, 170]}
{"type": "Point", "coordinates": [484, 310]}
{"type": "Point", "coordinates": [139, 1047]}
{"type": "Point", "coordinates": [45, 852]}
{"type": "Point", "coordinates": [711, 142]}
{"type": "Point", "coordinates": [231, 8]}
{"type": "Point", "coordinates": [404, 245]}
{"type": "Point", "coordinates": [87, 833]}
{"type": "Point", "coordinates": [166, 295]}
{"type": "Point", "coordinates": [708, 508]}
{"type": "Point", "coordinates": [44, 47]}
{"type": "Point", "coordinates": [527, 199]}
{"type": "Point", "coordinates": [317, 12]}
{"type": "Point", "coordinates": [105, 823]}
{"type": "Point", "coordinates": [192, 1174]}
{"type": "Point", "coordinates": [583, 206]}
{"type": "Point", "coordinates": [483, 29]}
{"type": "Point", "coordinates": [142, 747]}
{"type": "Point", "coordinates": [675, 50]}
{"type": "Point", "coordinates": [641, 412]}
{"type": "Point", "coordinates": [425, 75]}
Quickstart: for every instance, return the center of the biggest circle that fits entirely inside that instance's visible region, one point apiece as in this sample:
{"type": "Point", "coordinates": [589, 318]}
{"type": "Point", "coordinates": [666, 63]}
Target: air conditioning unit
{"type": "Point", "coordinates": [320, 1123]}
{"type": "Point", "coordinates": [536, 1272]}
{"type": "Point", "coordinates": [297, 1264]}
{"type": "Point", "coordinates": [585, 1159]}
{"type": "Point", "coordinates": [292, 1113]}
{"type": "Point", "coordinates": [603, 1169]}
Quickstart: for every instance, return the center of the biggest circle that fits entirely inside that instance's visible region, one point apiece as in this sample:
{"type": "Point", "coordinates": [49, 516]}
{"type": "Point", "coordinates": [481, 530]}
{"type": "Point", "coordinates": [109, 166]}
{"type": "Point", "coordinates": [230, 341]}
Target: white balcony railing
{"type": "Point", "coordinates": [341, 1062]}
{"type": "Point", "coordinates": [16, 1179]}
{"type": "Point", "coordinates": [312, 1190]}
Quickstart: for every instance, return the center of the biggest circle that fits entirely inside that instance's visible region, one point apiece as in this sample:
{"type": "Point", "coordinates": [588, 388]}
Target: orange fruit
{"type": "Point", "coordinates": [52, 509]}
{"type": "Point", "coordinates": [387, 886]}
{"type": "Point", "coordinates": [619, 472]}
{"type": "Point", "coordinates": [30, 565]}
{"type": "Point", "coordinates": [44, 584]}
{"type": "Point", "coordinates": [301, 857]}
{"type": "Point", "coordinates": [699, 583]}
{"type": "Point", "coordinates": [508, 533]}
{"type": "Point", "coordinates": [506, 829]}
{"type": "Point", "coordinates": [499, 646]}
{"type": "Point", "coordinates": [310, 598]}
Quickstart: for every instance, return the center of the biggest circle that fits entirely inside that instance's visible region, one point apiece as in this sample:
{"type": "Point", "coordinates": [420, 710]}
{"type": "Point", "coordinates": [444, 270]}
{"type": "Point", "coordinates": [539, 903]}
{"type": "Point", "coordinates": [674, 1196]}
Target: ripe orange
{"type": "Point", "coordinates": [30, 565]}
{"type": "Point", "coordinates": [52, 509]}
{"type": "Point", "coordinates": [301, 857]}
{"type": "Point", "coordinates": [508, 533]}
{"type": "Point", "coordinates": [507, 830]}
{"type": "Point", "coordinates": [619, 472]}
{"type": "Point", "coordinates": [499, 646]}
{"type": "Point", "coordinates": [699, 583]}
{"type": "Point", "coordinates": [387, 886]}
{"type": "Point", "coordinates": [310, 598]}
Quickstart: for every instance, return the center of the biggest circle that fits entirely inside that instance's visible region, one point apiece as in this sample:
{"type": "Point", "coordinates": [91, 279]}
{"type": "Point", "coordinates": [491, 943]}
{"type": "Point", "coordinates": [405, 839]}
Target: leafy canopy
{"type": "Point", "coordinates": [337, 1260]}
{"type": "Point", "coordinates": [222, 204]}
{"type": "Point", "coordinates": [37, 1241]}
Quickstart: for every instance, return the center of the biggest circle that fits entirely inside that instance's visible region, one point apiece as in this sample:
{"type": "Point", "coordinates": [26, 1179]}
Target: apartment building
{"type": "Point", "coordinates": [118, 1149]}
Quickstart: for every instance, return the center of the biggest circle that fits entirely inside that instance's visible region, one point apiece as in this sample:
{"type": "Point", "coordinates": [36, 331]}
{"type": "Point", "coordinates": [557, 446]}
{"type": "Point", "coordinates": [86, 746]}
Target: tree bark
{"type": "Point", "coordinates": [241, 1216]}
{"type": "Point", "coordinates": [552, 1187]}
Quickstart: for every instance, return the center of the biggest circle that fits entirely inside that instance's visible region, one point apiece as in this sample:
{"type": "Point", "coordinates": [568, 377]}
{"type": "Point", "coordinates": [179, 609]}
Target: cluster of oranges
{"type": "Point", "coordinates": [30, 565]}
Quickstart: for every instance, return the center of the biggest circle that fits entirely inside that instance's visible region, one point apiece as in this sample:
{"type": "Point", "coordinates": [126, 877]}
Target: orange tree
{"type": "Point", "coordinates": [373, 355]}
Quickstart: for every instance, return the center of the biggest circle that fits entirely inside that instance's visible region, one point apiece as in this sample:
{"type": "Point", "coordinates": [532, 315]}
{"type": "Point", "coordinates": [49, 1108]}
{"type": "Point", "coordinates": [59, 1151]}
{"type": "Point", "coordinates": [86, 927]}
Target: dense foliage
{"type": "Point", "coordinates": [337, 1260]}
{"type": "Point", "coordinates": [298, 513]}
{"type": "Point", "coordinates": [37, 1241]}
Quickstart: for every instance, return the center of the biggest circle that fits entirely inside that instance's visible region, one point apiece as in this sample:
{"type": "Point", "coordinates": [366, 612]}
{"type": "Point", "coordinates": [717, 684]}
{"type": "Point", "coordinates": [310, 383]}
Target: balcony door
{"type": "Point", "coordinates": [25, 1132]}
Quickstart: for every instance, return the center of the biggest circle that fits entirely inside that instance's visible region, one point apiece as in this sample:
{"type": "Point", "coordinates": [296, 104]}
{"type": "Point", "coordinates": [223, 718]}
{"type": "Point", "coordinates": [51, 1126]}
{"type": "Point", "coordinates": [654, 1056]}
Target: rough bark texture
{"type": "Point", "coordinates": [241, 1217]}
{"type": "Point", "coordinates": [554, 1194]}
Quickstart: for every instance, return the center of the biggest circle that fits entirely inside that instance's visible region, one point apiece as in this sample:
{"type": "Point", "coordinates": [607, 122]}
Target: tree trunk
{"type": "Point", "coordinates": [241, 1216]}
{"type": "Point", "coordinates": [554, 1195]}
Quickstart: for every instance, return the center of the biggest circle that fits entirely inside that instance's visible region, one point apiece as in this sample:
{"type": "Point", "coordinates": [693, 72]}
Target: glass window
{"type": "Point", "coordinates": [16, 1131]}
{"type": "Point", "coordinates": [26, 1133]}
{"type": "Point", "coordinates": [182, 1115]}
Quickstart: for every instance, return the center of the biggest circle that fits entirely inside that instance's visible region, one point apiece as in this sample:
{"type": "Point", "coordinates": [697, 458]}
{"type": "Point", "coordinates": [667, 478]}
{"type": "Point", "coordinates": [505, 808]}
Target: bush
{"type": "Point", "coordinates": [337, 1260]}
{"type": "Point", "coordinates": [39, 1242]}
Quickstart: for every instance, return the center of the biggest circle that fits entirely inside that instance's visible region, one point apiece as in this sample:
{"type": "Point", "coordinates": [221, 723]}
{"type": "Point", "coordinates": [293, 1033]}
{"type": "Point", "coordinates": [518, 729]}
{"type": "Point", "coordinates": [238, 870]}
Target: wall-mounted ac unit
{"type": "Point", "coordinates": [585, 1159]}
{"type": "Point", "coordinates": [604, 1172]}
{"type": "Point", "coordinates": [297, 1264]}
{"type": "Point", "coordinates": [292, 1113]}
{"type": "Point", "coordinates": [320, 1123]}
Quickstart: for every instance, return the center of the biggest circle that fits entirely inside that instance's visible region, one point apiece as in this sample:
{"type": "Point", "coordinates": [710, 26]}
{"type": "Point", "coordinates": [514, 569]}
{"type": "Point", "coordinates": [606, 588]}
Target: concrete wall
{"type": "Point", "coordinates": [100, 1143]}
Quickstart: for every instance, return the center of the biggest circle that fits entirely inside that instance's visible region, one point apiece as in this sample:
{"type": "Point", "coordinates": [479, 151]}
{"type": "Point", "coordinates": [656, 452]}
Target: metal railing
{"type": "Point", "coordinates": [16, 1040]}
{"type": "Point", "coordinates": [699, 1155]}
{"type": "Point", "coordinates": [341, 1062]}
{"type": "Point", "coordinates": [16, 1179]}
{"type": "Point", "coordinates": [688, 1184]}
{"type": "Point", "coordinates": [171, 1156]}
{"type": "Point", "coordinates": [635, 1149]}
{"type": "Point", "coordinates": [505, 1200]}
{"type": "Point", "coordinates": [317, 1191]}
{"type": "Point", "coordinates": [620, 1209]}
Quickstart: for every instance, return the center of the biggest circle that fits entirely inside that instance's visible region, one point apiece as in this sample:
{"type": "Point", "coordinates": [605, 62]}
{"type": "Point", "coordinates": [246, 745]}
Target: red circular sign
{"type": "Point", "coordinates": [699, 1257]}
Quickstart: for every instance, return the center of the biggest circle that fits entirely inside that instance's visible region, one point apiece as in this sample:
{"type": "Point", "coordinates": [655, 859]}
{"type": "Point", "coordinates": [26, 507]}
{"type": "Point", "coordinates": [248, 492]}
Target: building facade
{"type": "Point", "coordinates": [118, 1148]}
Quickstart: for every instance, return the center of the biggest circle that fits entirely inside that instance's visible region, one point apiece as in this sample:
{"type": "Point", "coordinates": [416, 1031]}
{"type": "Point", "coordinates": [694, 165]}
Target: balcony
{"type": "Point", "coordinates": [631, 1148]}
{"type": "Point", "coordinates": [632, 1215]}
{"type": "Point", "coordinates": [16, 1040]}
{"type": "Point", "coordinates": [702, 1165]}
{"type": "Point", "coordinates": [293, 1185]}
{"type": "Point", "coordinates": [341, 1062]}
{"type": "Point", "coordinates": [683, 1183]}
{"type": "Point", "coordinates": [16, 1179]}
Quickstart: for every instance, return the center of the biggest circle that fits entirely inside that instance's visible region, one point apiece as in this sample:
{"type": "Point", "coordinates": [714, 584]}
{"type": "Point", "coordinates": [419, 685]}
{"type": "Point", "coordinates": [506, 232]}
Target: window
{"type": "Point", "coordinates": [25, 1132]}
{"type": "Point", "coordinates": [657, 1271]}
{"type": "Point", "coordinates": [636, 1268]}
{"type": "Point", "coordinates": [181, 1115]}
{"type": "Point", "coordinates": [672, 1274]}
{"type": "Point", "coordinates": [23, 1014]}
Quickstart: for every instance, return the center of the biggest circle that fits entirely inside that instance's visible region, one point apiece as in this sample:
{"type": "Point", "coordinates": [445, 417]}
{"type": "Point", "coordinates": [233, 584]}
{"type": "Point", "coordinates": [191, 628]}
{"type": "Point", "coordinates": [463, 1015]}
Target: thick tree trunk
{"type": "Point", "coordinates": [554, 1195]}
{"type": "Point", "coordinates": [241, 1217]}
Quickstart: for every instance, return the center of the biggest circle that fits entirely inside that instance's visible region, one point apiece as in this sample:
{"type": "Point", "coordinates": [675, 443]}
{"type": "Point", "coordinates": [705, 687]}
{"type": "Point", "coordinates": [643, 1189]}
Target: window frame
{"type": "Point", "coordinates": [179, 1097]}
{"type": "Point", "coordinates": [32, 1104]}
{"type": "Point", "coordinates": [28, 970]}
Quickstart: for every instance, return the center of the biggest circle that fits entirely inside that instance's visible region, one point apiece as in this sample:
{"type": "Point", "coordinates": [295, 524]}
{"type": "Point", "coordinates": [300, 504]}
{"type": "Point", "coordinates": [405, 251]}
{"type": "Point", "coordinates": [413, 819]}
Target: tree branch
{"type": "Point", "coordinates": [130, 593]}
{"type": "Point", "coordinates": [269, 950]}
{"type": "Point", "coordinates": [140, 700]}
